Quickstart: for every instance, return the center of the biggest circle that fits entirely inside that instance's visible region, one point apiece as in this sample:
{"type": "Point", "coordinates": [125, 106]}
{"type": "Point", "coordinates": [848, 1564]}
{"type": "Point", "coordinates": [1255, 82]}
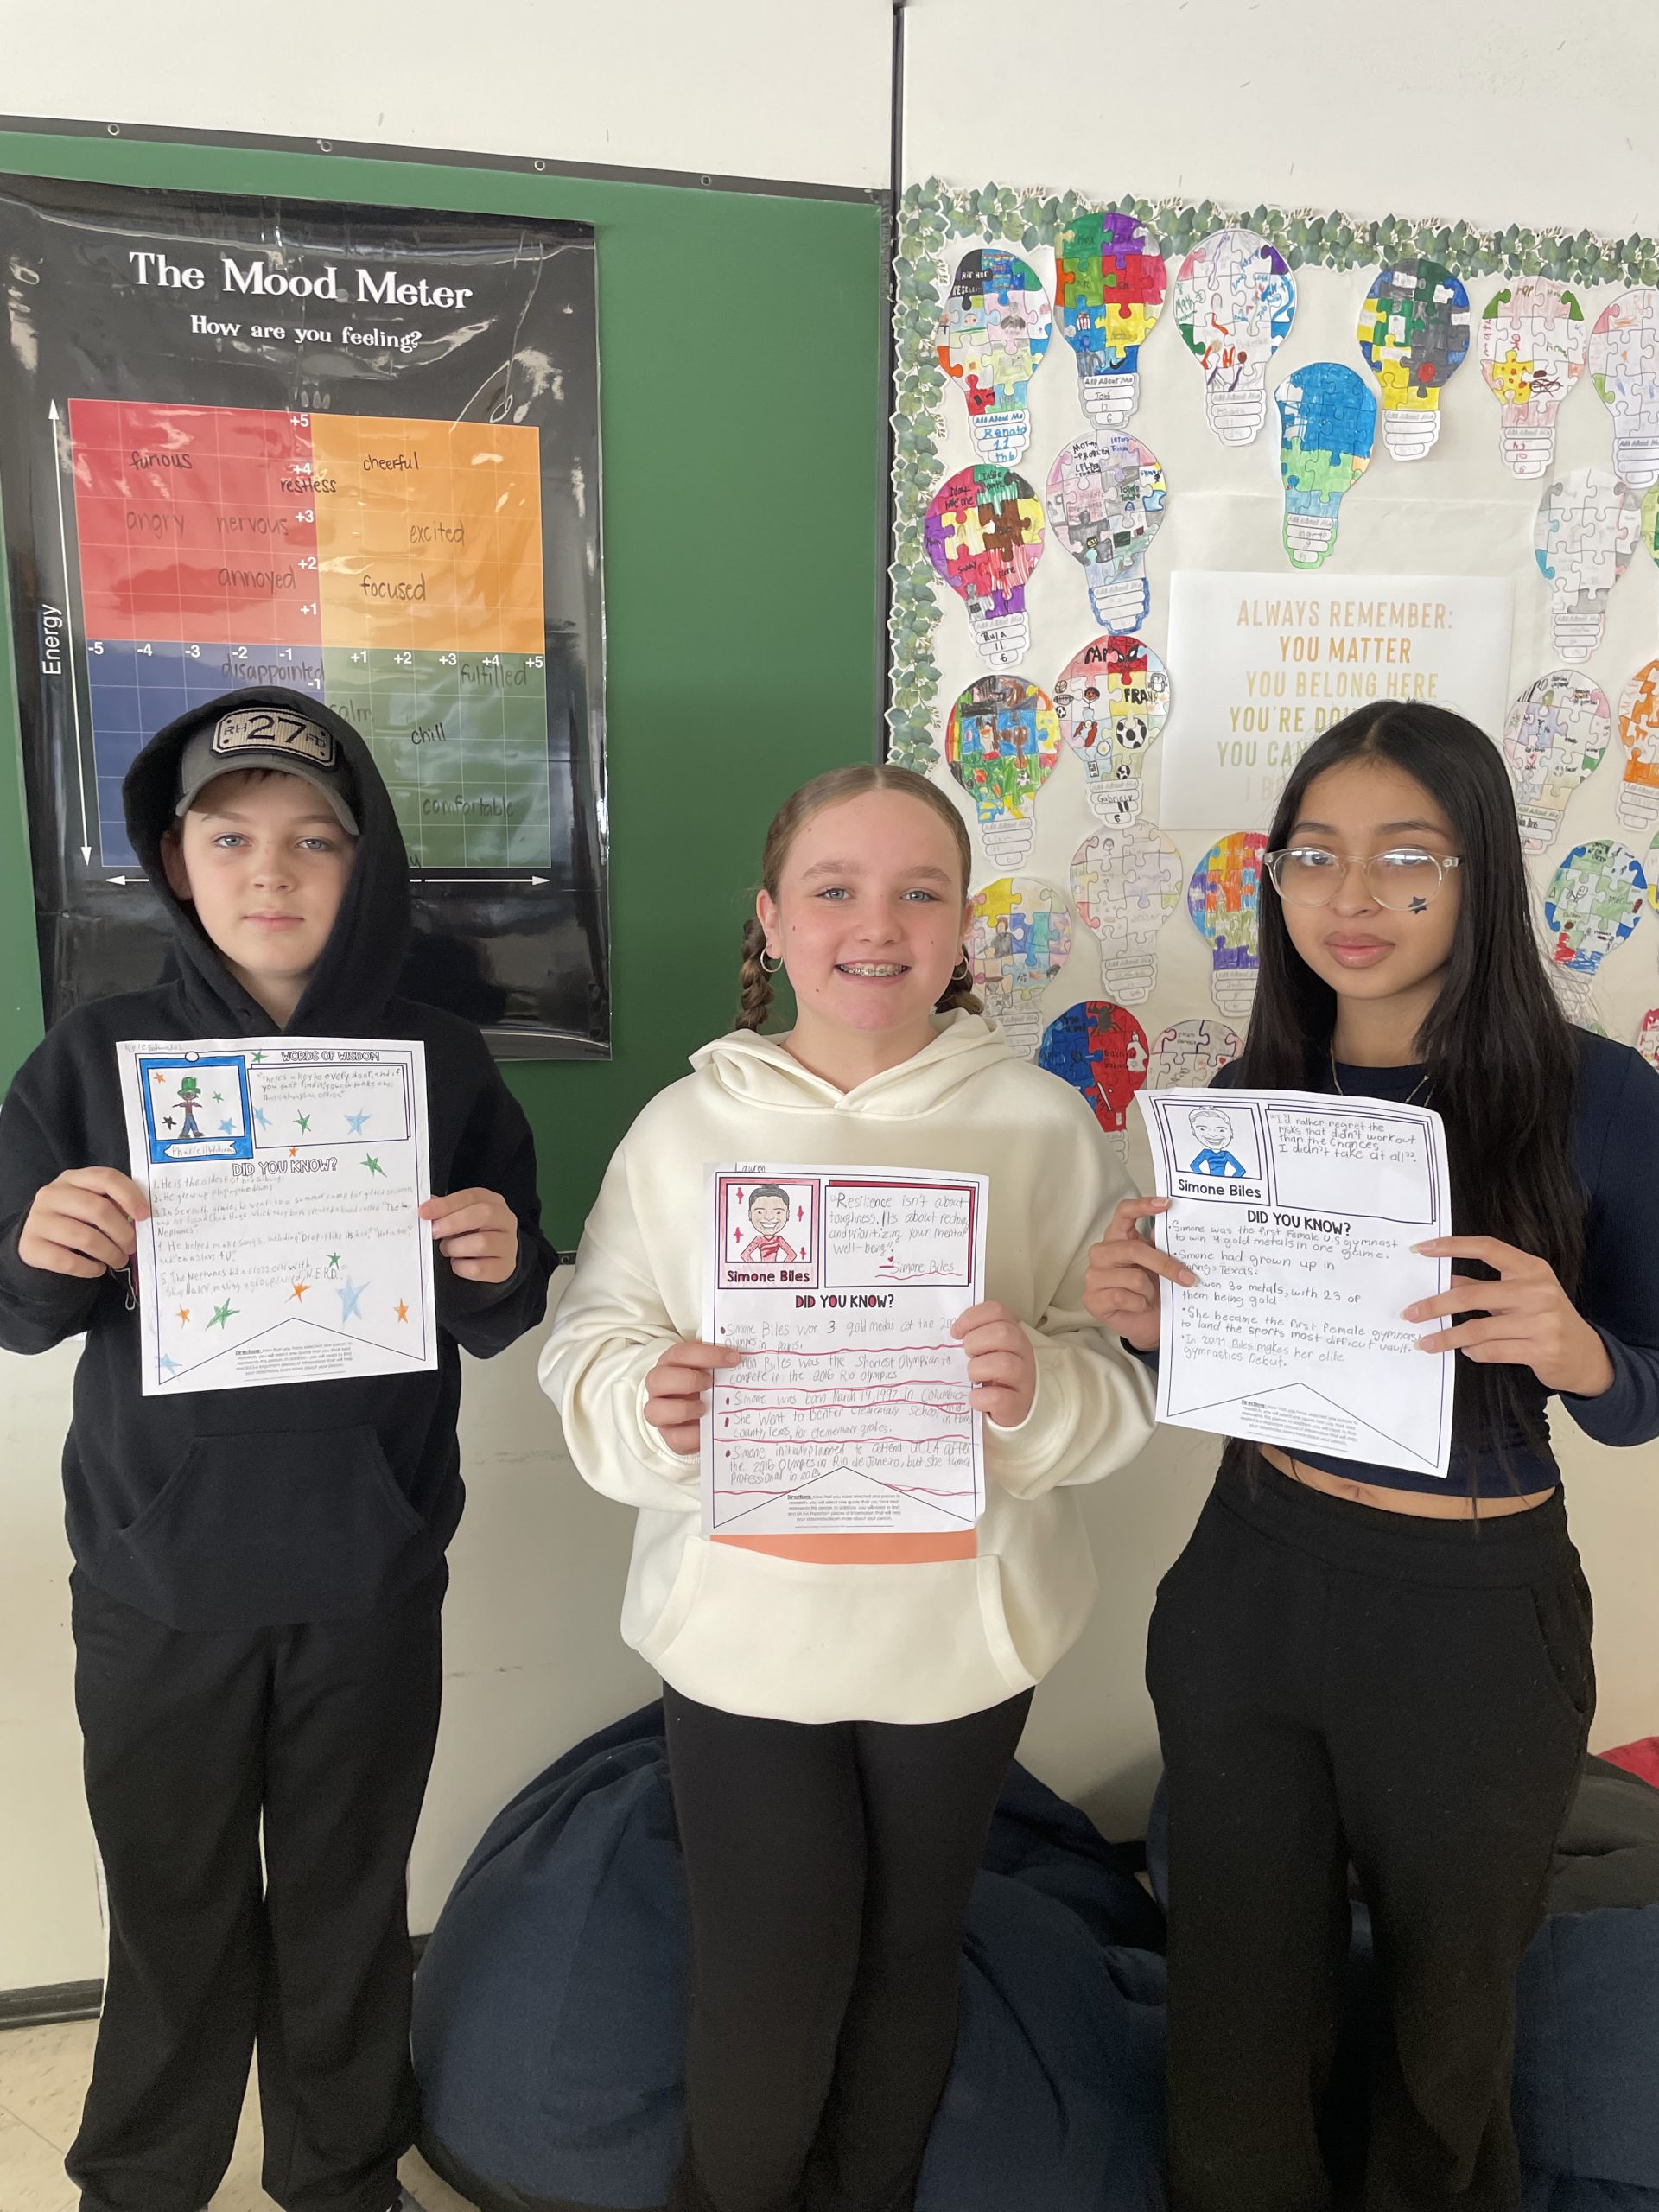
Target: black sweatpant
{"type": "Point", "coordinates": [1339, 1684]}
{"type": "Point", "coordinates": [830, 1868]}
{"type": "Point", "coordinates": [324, 1734]}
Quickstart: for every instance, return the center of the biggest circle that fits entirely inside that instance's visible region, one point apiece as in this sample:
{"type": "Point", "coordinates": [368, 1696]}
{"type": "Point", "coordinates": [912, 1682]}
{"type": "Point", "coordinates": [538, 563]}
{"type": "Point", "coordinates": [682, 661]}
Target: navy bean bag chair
{"type": "Point", "coordinates": [551, 2002]}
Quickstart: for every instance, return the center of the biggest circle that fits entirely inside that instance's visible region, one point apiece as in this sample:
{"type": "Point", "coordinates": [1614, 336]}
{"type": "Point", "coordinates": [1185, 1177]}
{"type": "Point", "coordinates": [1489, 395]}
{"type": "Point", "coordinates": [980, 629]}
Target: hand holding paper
{"type": "Point", "coordinates": [83, 1222]}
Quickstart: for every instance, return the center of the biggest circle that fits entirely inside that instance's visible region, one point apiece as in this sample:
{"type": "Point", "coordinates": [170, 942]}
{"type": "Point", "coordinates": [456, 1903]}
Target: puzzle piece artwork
{"type": "Point", "coordinates": [1555, 736]}
{"type": "Point", "coordinates": [1234, 301]}
{"type": "Point", "coordinates": [1189, 1054]}
{"type": "Point", "coordinates": [1106, 503]}
{"type": "Point", "coordinates": [1594, 901]}
{"type": "Point", "coordinates": [1113, 701]}
{"type": "Point", "coordinates": [993, 330]}
{"type": "Point", "coordinates": [1414, 332]}
{"type": "Point", "coordinates": [1583, 539]}
{"type": "Point", "coordinates": [1000, 743]}
{"type": "Point", "coordinates": [1126, 884]}
{"type": "Point", "coordinates": [983, 530]}
{"type": "Point", "coordinates": [1625, 370]}
{"type": "Point", "coordinates": [1109, 282]}
{"type": "Point", "coordinates": [1637, 802]}
{"type": "Point", "coordinates": [1101, 1050]}
{"type": "Point", "coordinates": [1224, 898]}
{"type": "Point", "coordinates": [1327, 416]}
{"type": "Point", "coordinates": [1019, 940]}
{"type": "Point", "coordinates": [1533, 343]}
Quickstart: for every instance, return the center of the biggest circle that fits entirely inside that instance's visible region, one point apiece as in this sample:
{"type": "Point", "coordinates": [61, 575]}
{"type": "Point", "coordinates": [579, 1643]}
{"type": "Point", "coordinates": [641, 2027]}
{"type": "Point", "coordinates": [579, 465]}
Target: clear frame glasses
{"type": "Point", "coordinates": [1405, 879]}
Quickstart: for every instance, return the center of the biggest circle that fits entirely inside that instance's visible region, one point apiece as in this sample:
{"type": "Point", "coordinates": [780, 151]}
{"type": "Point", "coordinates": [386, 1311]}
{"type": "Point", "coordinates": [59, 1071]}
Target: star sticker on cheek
{"type": "Point", "coordinates": [1420, 905]}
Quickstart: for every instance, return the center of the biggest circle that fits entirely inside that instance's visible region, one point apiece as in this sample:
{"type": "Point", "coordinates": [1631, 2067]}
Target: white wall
{"type": "Point", "coordinates": [734, 87]}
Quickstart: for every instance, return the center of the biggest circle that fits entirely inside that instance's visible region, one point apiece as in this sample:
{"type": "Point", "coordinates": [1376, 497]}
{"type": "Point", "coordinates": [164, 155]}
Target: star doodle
{"type": "Point", "coordinates": [222, 1315]}
{"type": "Point", "coordinates": [168, 1121]}
{"type": "Point", "coordinates": [304, 1120]}
{"type": "Point", "coordinates": [257, 1058]}
{"type": "Point", "coordinates": [299, 1291]}
{"type": "Point", "coordinates": [261, 1117]}
{"type": "Point", "coordinates": [171, 1365]}
{"type": "Point", "coordinates": [373, 1164]}
{"type": "Point", "coordinates": [227, 1127]}
{"type": "Point", "coordinates": [348, 1294]}
{"type": "Point", "coordinates": [219, 1099]}
{"type": "Point", "coordinates": [333, 1259]}
{"type": "Point", "coordinates": [403, 1309]}
{"type": "Point", "coordinates": [184, 1314]}
{"type": "Point", "coordinates": [354, 1123]}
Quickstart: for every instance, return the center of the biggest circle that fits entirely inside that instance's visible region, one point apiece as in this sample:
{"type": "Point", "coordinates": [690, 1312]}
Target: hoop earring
{"type": "Point", "coordinates": [770, 965]}
{"type": "Point", "coordinates": [962, 973]}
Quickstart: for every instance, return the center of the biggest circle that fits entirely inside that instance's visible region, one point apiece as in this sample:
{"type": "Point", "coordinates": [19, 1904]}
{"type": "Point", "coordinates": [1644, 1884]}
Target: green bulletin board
{"type": "Point", "coordinates": [741, 351]}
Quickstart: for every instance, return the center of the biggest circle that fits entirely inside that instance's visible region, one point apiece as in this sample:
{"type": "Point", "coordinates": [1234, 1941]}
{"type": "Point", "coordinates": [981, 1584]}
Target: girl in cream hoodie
{"type": "Point", "coordinates": [838, 1730]}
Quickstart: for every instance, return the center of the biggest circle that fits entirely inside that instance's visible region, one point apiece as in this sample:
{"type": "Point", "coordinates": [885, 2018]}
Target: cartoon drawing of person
{"type": "Point", "coordinates": [768, 1217]}
{"type": "Point", "coordinates": [189, 1098]}
{"type": "Point", "coordinates": [1214, 1133]}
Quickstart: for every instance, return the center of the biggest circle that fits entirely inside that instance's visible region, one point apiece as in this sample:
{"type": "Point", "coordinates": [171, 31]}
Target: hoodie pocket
{"type": "Point", "coordinates": [256, 1530]}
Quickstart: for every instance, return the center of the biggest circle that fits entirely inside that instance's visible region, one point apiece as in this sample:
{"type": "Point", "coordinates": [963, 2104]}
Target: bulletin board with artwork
{"type": "Point", "coordinates": [1177, 487]}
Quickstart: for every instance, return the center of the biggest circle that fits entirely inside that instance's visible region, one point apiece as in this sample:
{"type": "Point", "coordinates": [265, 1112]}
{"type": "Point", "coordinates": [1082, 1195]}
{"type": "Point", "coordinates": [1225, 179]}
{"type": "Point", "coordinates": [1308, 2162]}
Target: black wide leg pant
{"type": "Point", "coordinates": [830, 1868]}
{"type": "Point", "coordinates": [1336, 1685]}
{"type": "Point", "coordinates": [321, 1737]}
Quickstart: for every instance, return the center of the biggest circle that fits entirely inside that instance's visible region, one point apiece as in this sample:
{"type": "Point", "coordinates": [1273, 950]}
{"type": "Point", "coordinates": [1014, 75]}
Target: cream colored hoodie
{"type": "Point", "coordinates": [789, 1640]}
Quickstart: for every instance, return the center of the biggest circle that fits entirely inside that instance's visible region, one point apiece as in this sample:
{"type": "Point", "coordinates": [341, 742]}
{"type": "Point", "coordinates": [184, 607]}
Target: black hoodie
{"type": "Point", "coordinates": [304, 1501]}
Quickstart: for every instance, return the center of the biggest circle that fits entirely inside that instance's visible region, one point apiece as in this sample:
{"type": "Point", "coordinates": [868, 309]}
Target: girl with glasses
{"type": "Point", "coordinates": [1357, 1667]}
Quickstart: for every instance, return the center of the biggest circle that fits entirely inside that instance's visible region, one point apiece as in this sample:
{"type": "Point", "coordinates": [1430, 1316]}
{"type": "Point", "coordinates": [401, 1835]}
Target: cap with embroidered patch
{"type": "Point", "coordinates": [268, 737]}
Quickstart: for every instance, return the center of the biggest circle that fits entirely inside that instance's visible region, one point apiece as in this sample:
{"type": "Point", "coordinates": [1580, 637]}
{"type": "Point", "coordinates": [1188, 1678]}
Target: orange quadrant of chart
{"type": "Point", "coordinates": [388, 565]}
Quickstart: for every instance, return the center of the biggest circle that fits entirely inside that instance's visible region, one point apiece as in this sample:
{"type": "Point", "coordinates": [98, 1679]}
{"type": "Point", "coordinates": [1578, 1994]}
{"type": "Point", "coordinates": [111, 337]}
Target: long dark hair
{"type": "Point", "coordinates": [1498, 1054]}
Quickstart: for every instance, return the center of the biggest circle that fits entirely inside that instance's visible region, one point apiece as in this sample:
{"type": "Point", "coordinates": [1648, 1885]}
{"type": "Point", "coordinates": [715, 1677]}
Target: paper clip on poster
{"type": "Point", "coordinates": [1297, 1212]}
{"type": "Point", "coordinates": [849, 1413]}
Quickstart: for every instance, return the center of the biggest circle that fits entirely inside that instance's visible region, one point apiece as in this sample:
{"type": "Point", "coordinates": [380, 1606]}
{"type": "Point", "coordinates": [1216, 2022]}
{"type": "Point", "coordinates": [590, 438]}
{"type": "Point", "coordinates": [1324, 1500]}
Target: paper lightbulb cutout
{"type": "Point", "coordinates": [1583, 539]}
{"type": "Point", "coordinates": [1554, 738]}
{"type": "Point", "coordinates": [1018, 937]}
{"type": "Point", "coordinates": [1113, 700]}
{"type": "Point", "coordinates": [1000, 743]}
{"type": "Point", "coordinates": [1101, 1049]}
{"type": "Point", "coordinates": [1625, 369]}
{"type": "Point", "coordinates": [1328, 426]}
{"type": "Point", "coordinates": [1594, 901]}
{"type": "Point", "coordinates": [1414, 332]}
{"type": "Point", "coordinates": [1189, 1054]}
{"type": "Point", "coordinates": [1637, 803]}
{"type": "Point", "coordinates": [1222, 897]}
{"type": "Point", "coordinates": [992, 334]}
{"type": "Point", "coordinates": [1532, 340]}
{"type": "Point", "coordinates": [1127, 883]}
{"type": "Point", "coordinates": [1646, 1037]}
{"type": "Point", "coordinates": [1235, 300]}
{"type": "Point", "coordinates": [1109, 292]}
{"type": "Point", "coordinates": [983, 530]}
{"type": "Point", "coordinates": [1106, 503]}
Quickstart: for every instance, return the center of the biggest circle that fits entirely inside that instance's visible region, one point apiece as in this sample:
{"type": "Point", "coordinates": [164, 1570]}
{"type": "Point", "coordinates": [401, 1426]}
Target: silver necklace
{"type": "Point", "coordinates": [1417, 1089]}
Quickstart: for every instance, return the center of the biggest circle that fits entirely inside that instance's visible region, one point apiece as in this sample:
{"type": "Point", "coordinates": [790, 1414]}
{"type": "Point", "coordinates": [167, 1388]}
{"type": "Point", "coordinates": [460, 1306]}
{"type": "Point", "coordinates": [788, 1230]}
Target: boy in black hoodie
{"type": "Point", "coordinates": [258, 1574]}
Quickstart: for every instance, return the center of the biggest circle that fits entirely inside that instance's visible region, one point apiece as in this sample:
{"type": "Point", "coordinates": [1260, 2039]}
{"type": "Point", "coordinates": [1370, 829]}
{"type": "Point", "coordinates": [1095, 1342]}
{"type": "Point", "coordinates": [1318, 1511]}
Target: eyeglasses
{"type": "Point", "coordinates": [1404, 879]}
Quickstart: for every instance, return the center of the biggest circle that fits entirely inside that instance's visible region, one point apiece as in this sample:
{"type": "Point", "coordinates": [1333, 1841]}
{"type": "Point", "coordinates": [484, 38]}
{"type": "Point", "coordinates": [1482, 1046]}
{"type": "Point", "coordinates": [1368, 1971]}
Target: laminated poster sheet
{"type": "Point", "coordinates": [850, 1414]}
{"type": "Point", "coordinates": [285, 1243]}
{"type": "Point", "coordinates": [1297, 1212]}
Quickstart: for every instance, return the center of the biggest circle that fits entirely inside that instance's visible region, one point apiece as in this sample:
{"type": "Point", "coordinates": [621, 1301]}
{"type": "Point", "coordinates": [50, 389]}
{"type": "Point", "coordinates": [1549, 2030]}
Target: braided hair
{"type": "Point", "coordinates": [837, 785]}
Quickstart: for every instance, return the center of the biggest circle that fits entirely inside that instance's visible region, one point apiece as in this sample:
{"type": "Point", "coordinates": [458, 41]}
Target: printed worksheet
{"type": "Point", "coordinates": [849, 1412]}
{"type": "Point", "coordinates": [1297, 1212]}
{"type": "Point", "coordinates": [285, 1243]}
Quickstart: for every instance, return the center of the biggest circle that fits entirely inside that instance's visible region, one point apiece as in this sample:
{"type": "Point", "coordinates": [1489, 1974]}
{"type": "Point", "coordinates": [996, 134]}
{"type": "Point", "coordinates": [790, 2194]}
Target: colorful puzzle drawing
{"type": "Point", "coordinates": [1100, 1049]}
{"type": "Point", "coordinates": [1113, 700]}
{"type": "Point", "coordinates": [1646, 1037]}
{"type": "Point", "coordinates": [1223, 898]}
{"type": "Point", "coordinates": [1019, 937]}
{"type": "Point", "coordinates": [1234, 301]}
{"type": "Point", "coordinates": [1106, 502]}
{"type": "Point", "coordinates": [1414, 332]}
{"type": "Point", "coordinates": [1109, 281]}
{"type": "Point", "coordinates": [1189, 1054]}
{"type": "Point", "coordinates": [1000, 744]}
{"type": "Point", "coordinates": [1625, 370]}
{"type": "Point", "coordinates": [1554, 737]}
{"type": "Point", "coordinates": [1126, 884]}
{"type": "Point", "coordinates": [994, 332]}
{"type": "Point", "coordinates": [390, 567]}
{"type": "Point", "coordinates": [1584, 537]}
{"type": "Point", "coordinates": [1594, 901]}
{"type": "Point", "coordinates": [1637, 802]}
{"type": "Point", "coordinates": [983, 530]}
{"type": "Point", "coordinates": [1533, 343]}
{"type": "Point", "coordinates": [1328, 425]}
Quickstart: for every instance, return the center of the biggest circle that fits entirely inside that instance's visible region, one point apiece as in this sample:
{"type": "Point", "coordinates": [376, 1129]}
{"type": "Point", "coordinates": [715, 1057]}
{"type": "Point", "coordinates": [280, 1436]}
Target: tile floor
{"type": "Point", "coordinates": [43, 2073]}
